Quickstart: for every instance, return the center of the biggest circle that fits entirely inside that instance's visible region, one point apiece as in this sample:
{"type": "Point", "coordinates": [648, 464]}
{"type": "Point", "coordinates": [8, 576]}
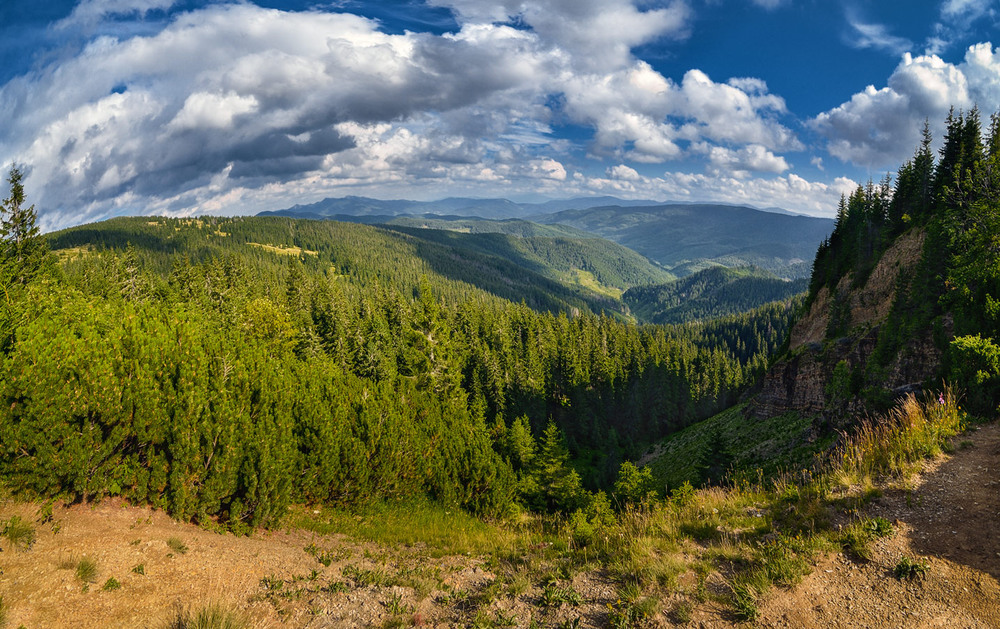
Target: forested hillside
{"type": "Point", "coordinates": [945, 313]}
{"type": "Point", "coordinates": [221, 368]}
{"type": "Point", "coordinates": [688, 238]}
{"type": "Point", "coordinates": [714, 292]}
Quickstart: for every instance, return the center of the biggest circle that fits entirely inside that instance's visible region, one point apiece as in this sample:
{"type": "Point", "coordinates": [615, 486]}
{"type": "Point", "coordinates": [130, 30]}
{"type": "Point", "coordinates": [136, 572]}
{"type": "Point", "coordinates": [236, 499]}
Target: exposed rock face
{"type": "Point", "coordinates": [800, 381]}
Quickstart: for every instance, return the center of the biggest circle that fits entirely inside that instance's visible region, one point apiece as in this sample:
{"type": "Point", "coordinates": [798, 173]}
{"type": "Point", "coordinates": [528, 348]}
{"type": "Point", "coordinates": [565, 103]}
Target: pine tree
{"type": "Point", "coordinates": [21, 248]}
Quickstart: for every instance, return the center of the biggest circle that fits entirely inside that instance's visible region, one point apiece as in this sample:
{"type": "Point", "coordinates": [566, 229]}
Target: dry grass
{"type": "Point", "coordinates": [896, 443]}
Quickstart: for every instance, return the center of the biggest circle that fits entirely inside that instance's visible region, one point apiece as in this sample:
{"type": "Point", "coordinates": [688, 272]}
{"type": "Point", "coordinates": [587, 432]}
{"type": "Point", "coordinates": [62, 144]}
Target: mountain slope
{"type": "Point", "coordinates": [713, 292]}
{"type": "Point", "coordinates": [686, 238]}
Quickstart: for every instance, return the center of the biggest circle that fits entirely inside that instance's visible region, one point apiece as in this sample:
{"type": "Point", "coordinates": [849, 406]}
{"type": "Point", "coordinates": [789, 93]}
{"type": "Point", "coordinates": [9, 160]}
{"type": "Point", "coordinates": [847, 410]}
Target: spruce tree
{"type": "Point", "coordinates": [21, 247]}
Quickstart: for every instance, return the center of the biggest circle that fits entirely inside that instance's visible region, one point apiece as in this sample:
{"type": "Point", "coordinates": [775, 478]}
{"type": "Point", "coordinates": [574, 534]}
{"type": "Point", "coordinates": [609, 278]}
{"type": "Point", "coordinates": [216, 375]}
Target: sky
{"type": "Point", "coordinates": [184, 107]}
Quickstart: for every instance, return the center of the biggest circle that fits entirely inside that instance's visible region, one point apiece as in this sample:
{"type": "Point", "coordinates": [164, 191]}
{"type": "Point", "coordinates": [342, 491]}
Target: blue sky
{"type": "Point", "coordinates": [183, 107]}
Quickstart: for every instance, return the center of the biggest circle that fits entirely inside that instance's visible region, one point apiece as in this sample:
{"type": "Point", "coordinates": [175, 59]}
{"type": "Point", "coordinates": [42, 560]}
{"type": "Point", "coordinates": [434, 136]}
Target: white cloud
{"type": "Point", "coordinates": [957, 18]}
{"type": "Point", "coordinates": [962, 8]}
{"type": "Point", "coordinates": [621, 171]}
{"type": "Point", "coordinates": [212, 111]}
{"type": "Point", "coordinates": [790, 191]}
{"type": "Point", "coordinates": [89, 12]}
{"type": "Point", "coordinates": [743, 161]}
{"type": "Point", "coordinates": [870, 35]}
{"type": "Point", "coordinates": [231, 108]}
{"type": "Point", "coordinates": [597, 34]}
{"type": "Point", "coordinates": [881, 127]}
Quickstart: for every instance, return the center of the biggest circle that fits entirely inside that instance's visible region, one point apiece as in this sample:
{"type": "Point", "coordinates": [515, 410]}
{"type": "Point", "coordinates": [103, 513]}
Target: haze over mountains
{"type": "Point", "coordinates": [682, 237]}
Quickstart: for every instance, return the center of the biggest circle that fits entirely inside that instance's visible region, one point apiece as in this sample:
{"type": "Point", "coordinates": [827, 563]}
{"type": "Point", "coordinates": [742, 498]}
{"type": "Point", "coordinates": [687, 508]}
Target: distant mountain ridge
{"type": "Point", "coordinates": [684, 238]}
{"type": "Point", "coordinates": [490, 208]}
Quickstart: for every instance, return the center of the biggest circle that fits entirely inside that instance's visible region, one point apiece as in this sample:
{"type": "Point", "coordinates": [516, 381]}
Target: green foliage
{"type": "Point", "coordinates": [22, 250]}
{"type": "Point", "coordinates": [635, 485]}
{"type": "Point", "coordinates": [222, 369]}
{"type": "Point", "coordinates": [907, 568]}
{"type": "Point", "coordinates": [558, 484]}
{"type": "Point", "coordinates": [111, 584]}
{"type": "Point", "coordinates": [976, 368]}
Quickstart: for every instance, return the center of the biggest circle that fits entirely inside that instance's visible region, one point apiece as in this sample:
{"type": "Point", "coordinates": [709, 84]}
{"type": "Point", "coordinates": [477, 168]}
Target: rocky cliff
{"type": "Point", "coordinates": [830, 346]}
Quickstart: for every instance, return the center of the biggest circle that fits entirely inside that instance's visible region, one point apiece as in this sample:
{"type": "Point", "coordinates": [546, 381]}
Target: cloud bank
{"type": "Point", "coordinates": [234, 108]}
{"type": "Point", "coordinates": [880, 128]}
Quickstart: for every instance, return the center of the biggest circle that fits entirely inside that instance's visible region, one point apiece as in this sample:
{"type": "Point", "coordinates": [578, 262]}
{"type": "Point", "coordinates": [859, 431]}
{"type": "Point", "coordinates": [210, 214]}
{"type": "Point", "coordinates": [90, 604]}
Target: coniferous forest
{"type": "Point", "coordinates": [224, 368]}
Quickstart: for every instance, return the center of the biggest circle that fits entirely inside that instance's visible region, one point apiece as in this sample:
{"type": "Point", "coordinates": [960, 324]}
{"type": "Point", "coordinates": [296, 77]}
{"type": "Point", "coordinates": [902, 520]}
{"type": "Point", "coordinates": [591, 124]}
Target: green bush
{"type": "Point", "coordinates": [976, 368]}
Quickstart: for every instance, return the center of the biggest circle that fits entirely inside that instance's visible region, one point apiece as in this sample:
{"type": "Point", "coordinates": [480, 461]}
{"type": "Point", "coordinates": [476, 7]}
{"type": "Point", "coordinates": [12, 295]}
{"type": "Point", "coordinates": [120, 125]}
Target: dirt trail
{"type": "Point", "coordinates": [950, 519]}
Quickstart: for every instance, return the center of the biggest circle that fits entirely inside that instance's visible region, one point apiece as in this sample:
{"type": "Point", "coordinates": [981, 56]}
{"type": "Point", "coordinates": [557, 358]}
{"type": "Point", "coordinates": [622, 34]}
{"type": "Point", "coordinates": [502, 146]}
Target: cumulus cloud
{"type": "Point", "coordinates": [881, 127]}
{"type": "Point", "coordinates": [237, 108]}
{"type": "Point", "coordinates": [596, 34]}
{"type": "Point", "coordinates": [741, 162]}
{"type": "Point", "coordinates": [621, 171]}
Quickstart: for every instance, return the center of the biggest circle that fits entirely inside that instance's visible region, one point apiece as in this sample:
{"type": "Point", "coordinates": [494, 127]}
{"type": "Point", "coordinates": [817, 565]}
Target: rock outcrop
{"type": "Point", "coordinates": [801, 381]}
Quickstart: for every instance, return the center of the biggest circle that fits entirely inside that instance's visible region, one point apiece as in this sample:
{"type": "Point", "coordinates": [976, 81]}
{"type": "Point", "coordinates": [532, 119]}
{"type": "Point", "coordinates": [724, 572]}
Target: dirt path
{"type": "Point", "coordinates": [951, 520]}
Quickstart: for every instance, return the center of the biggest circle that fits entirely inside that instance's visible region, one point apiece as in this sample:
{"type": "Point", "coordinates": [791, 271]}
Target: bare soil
{"type": "Point", "coordinates": [946, 518]}
{"type": "Point", "coordinates": [950, 519]}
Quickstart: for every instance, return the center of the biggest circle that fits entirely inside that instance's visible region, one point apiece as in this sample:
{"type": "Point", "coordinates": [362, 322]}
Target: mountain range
{"type": "Point", "coordinates": [681, 237]}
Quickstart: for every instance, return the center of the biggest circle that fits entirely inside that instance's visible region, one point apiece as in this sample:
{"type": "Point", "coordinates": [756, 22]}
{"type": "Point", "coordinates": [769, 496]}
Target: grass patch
{"type": "Point", "coordinates": [111, 584]}
{"type": "Point", "coordinates": [177, 545]}
{"type": "Point", "coordinates": [907, 568]}
{"type": "Point", "coordinates": [19, 533]}
{"type": "Point", "coordinates": [443, 530]}
{"type": "Point", "coordinates": [856, 538]}
{"type": "Point", "coordinates": [86, 570]}
{"type": "Point", "coordinates": [897, 443]}
{"type": "Point", "coordinates": [208, 617]}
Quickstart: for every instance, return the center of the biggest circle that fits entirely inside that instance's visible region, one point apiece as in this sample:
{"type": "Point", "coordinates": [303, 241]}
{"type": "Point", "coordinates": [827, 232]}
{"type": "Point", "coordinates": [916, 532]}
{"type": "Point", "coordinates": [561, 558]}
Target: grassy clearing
{"type": "Point", "coordinates": [286, 251]}
{"type": "Point", "coordinates": [756, 533]}
{"type": "Point", "coordinates": [587, 280]}
{"type": "Point", "coordinates": [441, 530]}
